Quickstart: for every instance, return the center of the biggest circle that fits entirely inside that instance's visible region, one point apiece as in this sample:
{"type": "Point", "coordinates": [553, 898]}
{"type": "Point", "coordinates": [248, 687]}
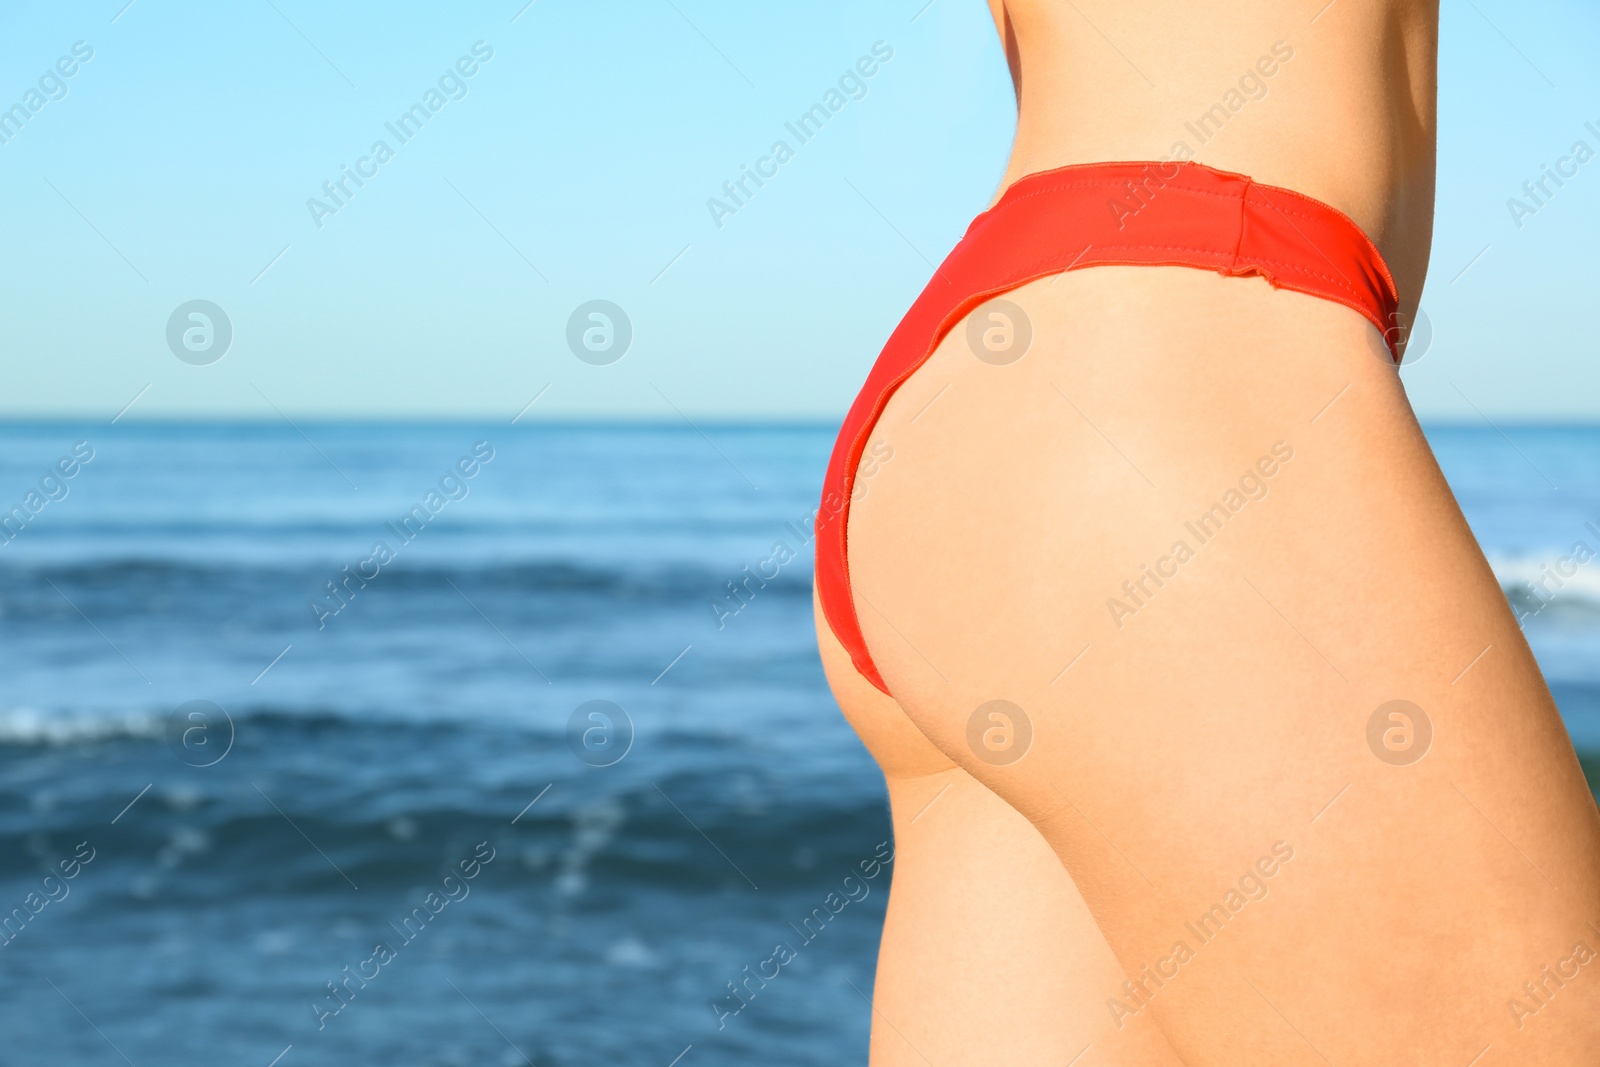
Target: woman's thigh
{"type": "Point", "coordinates": [1280, 724]}
{"type": "Point", "coordinates": [989, 954]}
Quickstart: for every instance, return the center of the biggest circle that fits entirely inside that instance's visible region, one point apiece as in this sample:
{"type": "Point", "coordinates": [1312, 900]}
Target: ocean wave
{"type": "Point", "coordinates": [29, 726]}
{"type": "Point", "coordinates": [654, 578]}
{"type": "Point", "coordinates": [1535, 582]}
{"type": "Point", "coordinates": [578, 839]}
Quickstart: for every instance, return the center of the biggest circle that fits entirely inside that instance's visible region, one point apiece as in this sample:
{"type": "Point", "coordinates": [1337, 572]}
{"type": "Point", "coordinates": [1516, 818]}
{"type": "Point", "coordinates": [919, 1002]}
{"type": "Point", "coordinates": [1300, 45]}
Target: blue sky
{"type": "Point", "coordinates": [576, 163]}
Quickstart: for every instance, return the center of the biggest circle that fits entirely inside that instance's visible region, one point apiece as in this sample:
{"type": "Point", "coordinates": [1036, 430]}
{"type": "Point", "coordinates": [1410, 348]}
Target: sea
{"type": "Point", "coordinates": [458, 744]}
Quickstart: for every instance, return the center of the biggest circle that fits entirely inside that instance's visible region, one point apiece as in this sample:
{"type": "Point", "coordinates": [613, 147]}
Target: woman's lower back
{"type": "Point", "coordinates": [1281, 727]}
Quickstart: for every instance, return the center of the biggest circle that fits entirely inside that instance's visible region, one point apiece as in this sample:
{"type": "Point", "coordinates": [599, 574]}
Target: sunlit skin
{"type": "Point", "coordinates": [1428, 912]}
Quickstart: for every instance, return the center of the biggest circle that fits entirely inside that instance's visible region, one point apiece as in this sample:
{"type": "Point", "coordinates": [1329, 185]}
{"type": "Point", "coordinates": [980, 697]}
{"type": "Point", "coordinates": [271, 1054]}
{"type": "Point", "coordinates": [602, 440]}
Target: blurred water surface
{"type": "Point", "coordinates": [360, 752]}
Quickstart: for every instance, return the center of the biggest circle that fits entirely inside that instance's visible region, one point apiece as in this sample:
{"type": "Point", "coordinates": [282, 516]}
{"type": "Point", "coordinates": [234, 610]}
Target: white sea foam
{"type": "Point", "coordinates": [1549, 578]}
{"type": "Point", "coordinates": [29, 726]}
{"type": "Point", "coordinates": [593, 826]}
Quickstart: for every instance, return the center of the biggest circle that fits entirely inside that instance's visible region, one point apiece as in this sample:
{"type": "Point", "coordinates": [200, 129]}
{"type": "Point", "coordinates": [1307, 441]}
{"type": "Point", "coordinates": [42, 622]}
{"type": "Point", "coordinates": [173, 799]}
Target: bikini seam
{"type": "Point", "coordinates": [1248, 261]}
{"type": "Point", "coordinates": [1240, 195]}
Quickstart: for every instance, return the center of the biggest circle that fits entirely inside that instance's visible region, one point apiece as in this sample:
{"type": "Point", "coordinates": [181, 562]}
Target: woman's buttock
{"type": "Point", "coordinates": [1265, 698]}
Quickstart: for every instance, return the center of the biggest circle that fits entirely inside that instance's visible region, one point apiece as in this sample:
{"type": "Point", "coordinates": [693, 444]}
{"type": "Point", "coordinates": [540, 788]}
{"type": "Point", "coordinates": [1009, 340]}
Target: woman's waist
{"type": "Point", "coordinates": [1340, 109]}
{"type": "Point", "coordinates": [1389, 201]}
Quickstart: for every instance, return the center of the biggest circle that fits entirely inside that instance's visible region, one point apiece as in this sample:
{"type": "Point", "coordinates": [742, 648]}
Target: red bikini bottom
{"type": "Point", "coordinates": [1099, 214]}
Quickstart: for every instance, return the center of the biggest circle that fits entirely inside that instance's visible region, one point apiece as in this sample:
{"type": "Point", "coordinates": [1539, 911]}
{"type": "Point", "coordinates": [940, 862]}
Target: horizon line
{"type": "Point", "coordinates": [8, 421]}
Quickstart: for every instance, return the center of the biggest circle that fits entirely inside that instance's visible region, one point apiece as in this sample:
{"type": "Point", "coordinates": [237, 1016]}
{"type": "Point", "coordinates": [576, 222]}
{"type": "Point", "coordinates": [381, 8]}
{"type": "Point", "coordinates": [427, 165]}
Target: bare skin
{"type": "Point", "coordinates": [989, 953]}
{"type": "Point", "coordinates": [1203, 760]}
